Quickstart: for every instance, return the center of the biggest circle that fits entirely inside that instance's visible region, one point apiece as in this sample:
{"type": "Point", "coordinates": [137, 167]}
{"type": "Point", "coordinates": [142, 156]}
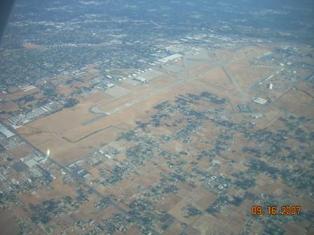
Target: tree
{"type": "Point", "coordinates": [70, 102]}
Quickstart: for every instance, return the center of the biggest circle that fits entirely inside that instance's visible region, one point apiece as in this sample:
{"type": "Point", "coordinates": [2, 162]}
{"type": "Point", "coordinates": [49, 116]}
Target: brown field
{"type": "Point", "coordinates": [20, 151]}
{"type": "Point", "coordinates": [8, 223]}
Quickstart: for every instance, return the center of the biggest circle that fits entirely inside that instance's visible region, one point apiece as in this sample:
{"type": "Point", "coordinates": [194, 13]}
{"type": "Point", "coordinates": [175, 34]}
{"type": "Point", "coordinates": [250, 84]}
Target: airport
{"type": "Point", "coordinates": [142, 124]}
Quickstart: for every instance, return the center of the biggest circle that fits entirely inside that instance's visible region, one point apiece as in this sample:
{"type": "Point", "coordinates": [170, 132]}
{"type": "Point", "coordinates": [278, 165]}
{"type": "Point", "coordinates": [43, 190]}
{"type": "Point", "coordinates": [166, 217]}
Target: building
{"type": "Point", "coordinates": [260, 100]}
{"type": "Point", "coordinates": [243, 108]}
{"type": "Point", "coordinates": [5, 131]}
{"type": "Point", "coordinates": [170, 58]}
{"type": "Point", "coordinates": [110, 85]}
{"type": "Point", "coordinates": [140, 79]}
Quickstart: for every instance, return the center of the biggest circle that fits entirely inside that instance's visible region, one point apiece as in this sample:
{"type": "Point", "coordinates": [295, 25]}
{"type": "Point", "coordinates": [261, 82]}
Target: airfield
{"type": "Point", "coordinates": [172, 148]}
{"type": "Point", "coordinates": [72, 133]}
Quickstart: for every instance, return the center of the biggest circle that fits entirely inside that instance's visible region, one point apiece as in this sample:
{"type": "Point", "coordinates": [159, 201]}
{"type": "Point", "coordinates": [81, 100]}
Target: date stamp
{"type": "Point", "coordinates": [274, 210]}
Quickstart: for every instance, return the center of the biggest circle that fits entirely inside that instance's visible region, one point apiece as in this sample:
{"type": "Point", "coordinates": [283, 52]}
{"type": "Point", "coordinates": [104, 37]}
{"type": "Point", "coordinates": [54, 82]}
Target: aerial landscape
{"type": "Point", "coordinates": [157, 117]}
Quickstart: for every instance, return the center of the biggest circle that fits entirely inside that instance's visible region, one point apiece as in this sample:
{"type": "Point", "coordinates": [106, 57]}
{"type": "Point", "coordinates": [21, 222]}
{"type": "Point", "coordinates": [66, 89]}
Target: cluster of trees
{"type": "Point", "coordinates": [70, 102]}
